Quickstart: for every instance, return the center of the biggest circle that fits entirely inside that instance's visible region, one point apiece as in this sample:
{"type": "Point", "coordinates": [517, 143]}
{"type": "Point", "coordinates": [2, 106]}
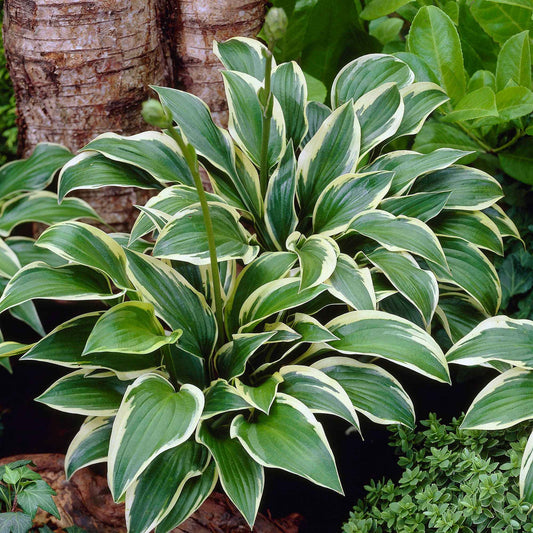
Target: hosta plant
{"type": "Point", "coordinates": [235, 316]}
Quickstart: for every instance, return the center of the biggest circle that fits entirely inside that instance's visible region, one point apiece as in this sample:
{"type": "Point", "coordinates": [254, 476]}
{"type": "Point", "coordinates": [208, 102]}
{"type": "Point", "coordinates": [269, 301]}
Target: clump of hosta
{"type": "Point", "coordinates": [350, 255]}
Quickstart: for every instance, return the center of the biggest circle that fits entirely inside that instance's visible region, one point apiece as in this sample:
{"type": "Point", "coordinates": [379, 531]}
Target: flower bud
{"type": "Point", "coordinates": [276, 23]}
{"type": "Point", "coordinates": [155, 115]}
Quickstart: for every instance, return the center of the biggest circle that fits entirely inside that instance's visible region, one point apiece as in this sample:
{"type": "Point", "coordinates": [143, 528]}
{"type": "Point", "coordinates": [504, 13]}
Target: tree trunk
{"type": "Point", "coordinates": [80, 68]}
{"type": "Point", "coordinates": [200, 22]}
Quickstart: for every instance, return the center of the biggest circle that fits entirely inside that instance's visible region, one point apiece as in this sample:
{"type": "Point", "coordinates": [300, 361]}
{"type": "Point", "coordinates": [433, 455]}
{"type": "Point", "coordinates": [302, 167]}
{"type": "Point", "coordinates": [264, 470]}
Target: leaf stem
{"type": "Point", "coordinates": [192, 161]}
{"type": "Point", "coordinates": [519, 134]}
{"type": "Point", "coordinates": [267, 104]}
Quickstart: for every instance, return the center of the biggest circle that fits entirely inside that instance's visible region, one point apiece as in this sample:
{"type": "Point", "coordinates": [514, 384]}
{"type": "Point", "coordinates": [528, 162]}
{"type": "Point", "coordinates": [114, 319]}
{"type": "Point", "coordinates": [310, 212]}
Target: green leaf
{"type": "Point", "coordinates": [85, 394]}
{"type": "Point", "coordinates": [42, 207]}
{"type": "Point", "coordinates": [480, 103]}
{"type": "Point", "coordinates": [515, 278]}
{"type": "Point", "coordinates": [221, 397]}
{"type": "Point", "coordinates": [27, 252]}
{"type": "Point", "coordinates": [480, 79]}
{"type": "Point", "coordinates": [71, 282]}
{"type": "Point", "coordinates": [434, 38]}
{"type": "Point", "coordinates": [318, 392]}
{"type": "Point", "coordinates": [471, 189]}
{"type": "Point", "coordinates": [526, 482]}
{"type": "Point", "coordinates": [86, 245]}
{"type": "Point", "coordinates": [380, 334]}
{"type": "Point", "coordinates": [417, 285]}
{"type": "Point", "coordinates": [184, 238]}
{"type": "Point", "coordinates": [372, 390]}
{"type": "Point", "coordinates": [129, 327]}
{"type": "Point", "coordinates": [241, 477]}
{"type": "Point", "coordinates": [367, 73]}
{"type": "Point", "coordinates": [38, 494]}
{"type": "Point", "coordinates": [504, 402]}
{"type": "Point", "coordinates": [435, 135]}
{"type": "Point", "coordinates": [92, 170]}
{"type": "Point", "coordinates": [505, 225]}
{"type": "Point", "coordinates": [333, 151]}
{"type": "Point", "coordinates": [260, 396]}
{"type": "Point", "coordinates": [385, 29]}
{"type": "Point", "coordinates": [316, 90]}
{"type": "Point", "coordinates": [15, 523]}
{"type": "Point", "coordinates": [496, 339]}
{"type": "Point", "coordinates": [315, 113]}
{"type": "Point", "coordinates": [276, 440]}
{"type": "Point", "coordinates": [34, 173]}
{"type": "Point", "coordinates": [242, 55]}
{"type": "Point", "coordinates": [514, 102]}
{"type": "Point", "coordinates": [152, 418]}
{"type": "Point", "coordinates": [458, 315]}
{"type": "Point", "coordinates": [422, 205]}
{"type": "Point", "coordinates": [89, 446]}
{"type": "Point", "coordinates": [398, 234]}
{"type": "Point", "coordinates": [514, 62]}
{"type": "Point", "coordinates": [151, 151]}
{"type": "Point", "coordinates": [379, 8]}
{"type": "Point", "coordinates": [517, 161]}
{"type": "Point", "coordinates": [158, 488]}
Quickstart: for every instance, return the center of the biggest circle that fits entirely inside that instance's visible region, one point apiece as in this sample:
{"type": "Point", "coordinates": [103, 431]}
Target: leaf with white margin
{"type": "Point", "coordinates": [505, 225]}
{"type": "Point", "coordinates": [351, 284]}
{"type": "Point", "coordinates": [86, 245]}
{"type": "Point", "coordinates": [347, 196]}
{"type": "Point", "coordinates": [9, 262]}
{"type": "Point", "coordinates": [129, 328]}
{"type": "Point", "coordinates": [498, 338]}
{"type": "Point", "coordinates": [315, 113]}
{"type": "Point", "coordinates": [86, 394]}
{"type": "Point", "coordinates": [243, 54]}
{"type": "Point", "coordinates": [241, 477]}
{"type": "Point", "coordinates": [373, 391]}
{"type": "Point", "coordinates": [289, 438]}
{"type": "Point", "coordinates": [396, 339]}
{"type": "Point", "coordinates": [417, 285]}
{"type": "Point", "coordinates": [221, 397]}
{"type": "Point", "coordinates": [184, 238]}
{"type": "Point", "coordinates": [90, 445]}
{"type": "Point", "coordinates": [366, 73]}
{"type": "Point", "coordinates": [422, 205]}
{"type": "Point", "coordinates": [332, 152]}
{"type": "Point", "coordinates": [380, 113]}
{"type": "Point", "coordinates": [158, 488]}
{"type": "Point", "coordinates": [504, 402]}
{"type": "Point", "coordinates": [152, 418]}
{"type": "Point", "coordinates": [319, 392]}
{"type": "Point", "coordinates": [260, 396]}
{"type": "Point", "coordinates": [526, 472]}
{"type": "Point", "coordinates": [399, 234]}
{"type": "Point", "coordinates": [70, 282]}
{"type": "Point", "coordinates": [310, 329]}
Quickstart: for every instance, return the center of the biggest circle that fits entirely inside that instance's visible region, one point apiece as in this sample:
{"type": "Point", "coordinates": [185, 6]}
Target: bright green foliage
{"type": "Point", "coordinates": [332, 258]}
{"type": "Point", "coordinates": [452, 481]}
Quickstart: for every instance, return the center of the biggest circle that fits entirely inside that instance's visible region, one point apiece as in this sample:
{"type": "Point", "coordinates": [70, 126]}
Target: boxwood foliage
{"type": "Point", "coordinates": [334, 257]}
{"type": "Point", "coordinates": [452, 481]}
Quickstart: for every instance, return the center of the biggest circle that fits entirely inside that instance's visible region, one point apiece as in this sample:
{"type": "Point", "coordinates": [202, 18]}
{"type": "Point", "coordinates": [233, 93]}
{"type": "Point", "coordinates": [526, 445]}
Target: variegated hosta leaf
{"type": "Point", "coordinates": [152, 151]}
{"type": "Point", "coordinates": [260, 396]}
{"type": "Point", "coordinates": [42, 207]}
{"type": "Point", "coordinates": [27, 252]}
{"type": "Point", "coordinates": [399, 234]}
{"type": "Point", "coordinates": [472, 226]}
{"type": "Point", "coordinates": [317, 255]}
{"type": "Point", "coordinates": [243, 55]}
{"type": "Point", "coordinates": [192, 495]}
{"type": "Point", "coordinates": [347, 196]}
{"type": "Point", "coordinates": [310, 329]}
{"type": "Point", "coordinates": [158, 488]}
{"type": "Point", "coordinates": [71, 282]}
{"type": "Point", "coordinates": [64, 347]}
{"type": "Point", "coordinates": [380, 334]}
{"type": "Point", "coordinates": [231, 359]}
{"type": "Point", "coordinates": [273, 297]}
{"type": "Point", "coordinates": [92, 170]}
{"type": "Point", "coordinates": [269, 266]}
{"type": "Point", "coordinates": [367, 73]}
{"type": "Point", "coordinates": [418, 286]}
{"type": "Point", "coordinates": [184, 238]}
{"type": "Point", "coordinates": [505, 225]}
{"type": "Point", "coordinates": [290, 89]}
{"type": "Point", "coordinates": [34, 173]}
{"type": "Point", "coordinates": [85, 394]}
{"type": "Point", "coordinates": [10, 348]}
{"type": "Point", "coordinates": [220, 398]}
{"type": "Point", "coordinates": [407, 166]}
{"type": "Point", "coordinates": [90, 445]}
{"type": "Point", "coordinates": [9, 262]}
{"type": "Point", "coordinates": [526, 472]}
{"type": "Point", "coordinates": [372, 390]}
{"type": "Point", "coordinates": [352, 285]}
{"type": "Point", "coordinates": [471, 189]}
{"type": "Point", "coordinates": [241, 477]}
{"type": "Point", "coordinates": [289, 438]}
{"type": "Point", "coordinates": [86, 245]}
{"type": "Point", "coordinates": [318, 392]}
{"type": "Point", "coordinates": [280, 212]}
{"type": "Point", "coordinates": [175, 301]}
{"type": "Point", "coordinates": [332, 152]}
{"type": "Point", "coordinates": [420, 100]}
{"type": "Point", "coordinates": [245, 122]}
{"type": "Point", "coordinates": [422, 205]}
{"type": "Point", "coordinates": [152, 418]}
{"type": "Point", "coordinates": [380, 114]}
{"type": "Point", "coordinates": [472, 271]}
{"type": "Point", "coordinates": [496, 339]}
{"type": "Point", "coordinates": [504, 402]}
{"type": "Point", "coordinates": [129, 327]}
{"type": "Point", "coordinates": [315, 113]}
{"type": "Point", "coordinates": [458, 315]}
